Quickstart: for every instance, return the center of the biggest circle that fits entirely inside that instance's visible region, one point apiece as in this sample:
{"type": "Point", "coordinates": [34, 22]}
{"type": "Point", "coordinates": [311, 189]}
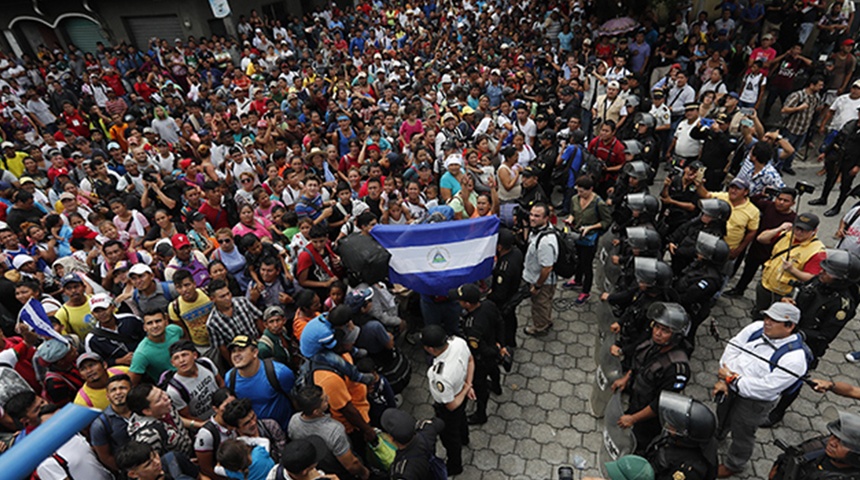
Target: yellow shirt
{"type": "Point", "coordinates": [15, 164]}
{"type": "Point", "coordinates": [90, 397]}
{"type": "Point", "coordinates": [194, 316]}
{"type": "Point", "coordinates": [77, 320]}
{"type": "Point", "coordinates": [745, 218]}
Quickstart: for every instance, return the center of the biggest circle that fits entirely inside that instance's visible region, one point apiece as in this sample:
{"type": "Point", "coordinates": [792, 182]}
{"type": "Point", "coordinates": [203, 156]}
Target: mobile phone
{"type": "Point", "coordinates": [747, 111]}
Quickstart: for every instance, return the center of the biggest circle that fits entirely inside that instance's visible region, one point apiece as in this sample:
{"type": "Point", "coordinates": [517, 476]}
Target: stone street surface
{"type": "Point", "coordinates": [543, 419]}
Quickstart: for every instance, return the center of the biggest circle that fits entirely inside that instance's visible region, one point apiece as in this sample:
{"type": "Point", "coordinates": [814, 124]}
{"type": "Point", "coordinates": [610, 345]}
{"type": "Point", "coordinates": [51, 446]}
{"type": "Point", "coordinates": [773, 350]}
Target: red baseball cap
{"type": "Point", "coordinates": [184, 163]}
{"type": "Point", "coordinates": [83, 231]}
{"type": "Point", "coordinates": [179, 240]}
{"type": "Point", "coordinates": [848, 41]}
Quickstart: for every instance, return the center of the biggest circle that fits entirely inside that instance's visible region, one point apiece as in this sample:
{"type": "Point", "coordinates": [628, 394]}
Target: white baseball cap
{"type": "Point", "coordinates": [101, 300]}
{"type": "Point", "coordinates": [139, 269]}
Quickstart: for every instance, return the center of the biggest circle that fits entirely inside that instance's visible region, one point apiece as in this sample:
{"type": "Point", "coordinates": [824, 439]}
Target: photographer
{"type": "Point", "coordinates": [161, 194]}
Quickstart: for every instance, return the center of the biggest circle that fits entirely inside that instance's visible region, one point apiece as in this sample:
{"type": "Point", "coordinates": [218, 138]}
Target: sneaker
{"type": "Point", "coordinates": [571, 284]}
{"type": "Point", "coordinates": [853, 357]}
{"type": "Point", "coordinates": [582, 298]}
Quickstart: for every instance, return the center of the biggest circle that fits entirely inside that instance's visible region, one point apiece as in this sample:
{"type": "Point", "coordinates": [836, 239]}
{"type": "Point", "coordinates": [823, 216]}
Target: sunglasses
{"type": "Point", "coordinates": [246, 180]}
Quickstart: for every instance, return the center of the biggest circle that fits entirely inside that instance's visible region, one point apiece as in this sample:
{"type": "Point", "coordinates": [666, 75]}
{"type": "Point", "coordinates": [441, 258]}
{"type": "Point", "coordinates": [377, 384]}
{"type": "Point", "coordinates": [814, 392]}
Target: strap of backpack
{"type": "Point", "coordinates": [231, 384]}
{"type": "Point", "coordinates": [63, 464]}
{"type": "Point", "coordinates": [118, 337]}
{"type": "Point", "coordinates": [272, 376]}
{"type": "Point", "coordinates": [175, 306]}
{"type": "Point", "coordinates": [216, 435]}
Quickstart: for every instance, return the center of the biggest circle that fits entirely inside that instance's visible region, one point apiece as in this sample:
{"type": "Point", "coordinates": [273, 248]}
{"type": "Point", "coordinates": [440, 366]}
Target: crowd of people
{"type": "Point", "coordinates": [178, 212]}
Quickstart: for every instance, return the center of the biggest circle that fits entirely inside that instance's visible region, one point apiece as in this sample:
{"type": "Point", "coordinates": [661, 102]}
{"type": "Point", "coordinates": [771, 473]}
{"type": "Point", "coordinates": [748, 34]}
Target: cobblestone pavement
{"type": "Point", "coordinates": [542, 419]}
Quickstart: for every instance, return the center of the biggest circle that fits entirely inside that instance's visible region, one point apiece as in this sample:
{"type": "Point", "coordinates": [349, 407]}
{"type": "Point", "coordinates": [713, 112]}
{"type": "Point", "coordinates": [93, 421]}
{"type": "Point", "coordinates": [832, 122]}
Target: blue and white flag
{"type": "Point", "coordinates": [435, 257]}
{"type": "Point", "coordinates": [33, 314]}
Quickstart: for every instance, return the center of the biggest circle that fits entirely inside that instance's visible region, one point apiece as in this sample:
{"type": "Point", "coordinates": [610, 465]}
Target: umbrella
{"type": "Point", "coordinates": [617, 26]}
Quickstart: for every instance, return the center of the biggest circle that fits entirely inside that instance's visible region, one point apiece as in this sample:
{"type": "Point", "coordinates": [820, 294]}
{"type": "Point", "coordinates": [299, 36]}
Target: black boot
{"type": "Point", "coordinates": [818, 201]}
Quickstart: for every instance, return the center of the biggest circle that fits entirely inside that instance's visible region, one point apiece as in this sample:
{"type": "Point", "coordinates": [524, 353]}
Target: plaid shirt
{"type": "Point", "coordinates": [223, 329]}
{"type": "Point", "coordinates": [798, 123]}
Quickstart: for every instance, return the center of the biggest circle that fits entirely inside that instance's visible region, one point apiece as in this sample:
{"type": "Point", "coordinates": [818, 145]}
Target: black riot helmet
{"type": "Point", "coordinates": [652, 272]}
{"type": "Point", "coordinates": [644, 119]}
{"type": "Point", "coordinates": [713, 248]}
{"type": "Point", "coordinates": [841, 265]}
{"type": "Point", "coordinates": [717, 209]}
{"type": "Point", "coordinates": [846, 427]}
{"type": "Point", "coordinates": [636, 169]}
{"type": "Point", "coordinates": [686, 418]}
{"type": "Point", "coordinates": [648, 205]}
{"type": "Point", "coordinates": [643, 239]}
{"type": "Point", "coordinates": [670, 315]}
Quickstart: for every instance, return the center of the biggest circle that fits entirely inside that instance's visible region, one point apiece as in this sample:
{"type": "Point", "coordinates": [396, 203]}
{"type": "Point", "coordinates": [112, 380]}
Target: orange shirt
{"type": "Point", "coordinates": [299, 323]}
{"type": "Point", "coordinates": [340, 391]}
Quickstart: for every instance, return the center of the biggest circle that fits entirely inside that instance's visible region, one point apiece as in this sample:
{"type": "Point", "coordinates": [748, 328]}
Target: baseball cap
{"type": "Point", "coordinates": [273, 311]}
{"type": "Point", "coordinates": [613, 84]}
{"type": "Point", "coordinates": [21, 260]}
{"type": "Point", "coordinates": [630, 467]}
{"type": "Point", "coordinates": [299, 455]}
{"type": "Point", "coordinates": [848, 41]}
{"type": "Point", "coordinates": [399, 424]}
{"type": "Point", "coordinates": [100, 300]}
{"type": "Point", "coordinates": [734, 95]}
{"type": "Point", "coordinates": [179, 240]}
{"type": "Point", "coordinates": [53, 350]}
{"type": "Point", "coordinates": [87, 356]}
{"type": "Point", "coordinates": [529, 172]}
{"type": "Point", "coordinates": [423, 166]}
{"type": "Point", "coordinates": [113, 146]}
{"type": "Point", "coordinates": [467, 110]}
{"type": "Point", "coordinates": [7, 145]}
{"type": "Point", "coordinates": [740, 183]}
{"type": "Point", "coordinates": [83, 231]}
{"type": "Point", "coordinates": [807, 221]}
{"type": "Point", "coordinates": [24, 180]}
{"type": "Point", "coordinates": [658, 94]}
{"type": "Point", "coordinates": [139, 269]}
{"type": "Point", "coordinates": [783, 312]}
{"type": "Point", "coordinates": [358, 298]}
{"type": "Point", "coordinates": [70, 278]}
{"type": "Point", "coordinates": [240, 341]}
{"type": "Point", "coordinates": [856, 83]}
{"type": "Point", "coordinates": [448, 116]}
{"type": "Point", "coordinates": [696, 165]}
{"type": "Point", "coordinates": [67, 196]}
{"type": "Point", "coordinates": [468, 292]}
{"type": "Point", "coordinates": [163, 248]}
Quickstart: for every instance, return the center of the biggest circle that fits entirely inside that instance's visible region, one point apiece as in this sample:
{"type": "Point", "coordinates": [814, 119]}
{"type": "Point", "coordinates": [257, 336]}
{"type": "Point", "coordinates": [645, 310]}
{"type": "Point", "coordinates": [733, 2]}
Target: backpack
{"type": "Point", "coordinates": [435, 464]}
{"type": "Point", "coordinates": [565, 265]}
{"type": "Point", "coordinates": [168, 378]}
{"type": "Point", "coordinates": [791, 346]}
{"type": "Point", "coordinates": [591, 165]}
{"type": "Point", "coordinates": [561, 174]}
{"type": "Point", "coordinates": [198, 271]}
{"type": "Point", "coordinates": [271, 376]}
{"type": "Point", "coordinates": [306, 374]}
{"type": "Point", "coordinates": [165, 290]}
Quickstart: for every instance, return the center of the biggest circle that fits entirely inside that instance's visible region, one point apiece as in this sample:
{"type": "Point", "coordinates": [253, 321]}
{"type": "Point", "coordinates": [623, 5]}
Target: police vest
{"type": "Point", "coordinates": [774, 277]}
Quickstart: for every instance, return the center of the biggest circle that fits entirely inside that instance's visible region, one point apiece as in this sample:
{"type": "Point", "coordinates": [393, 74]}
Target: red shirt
{"type": "Point", "coordinates": [217, 217]}
{"type": "Point", "coordinates": [76, 123]}
{"type": "Point", "coordinates": [24, 367]}
{"type": "Point", "coordinates": [611, 153]}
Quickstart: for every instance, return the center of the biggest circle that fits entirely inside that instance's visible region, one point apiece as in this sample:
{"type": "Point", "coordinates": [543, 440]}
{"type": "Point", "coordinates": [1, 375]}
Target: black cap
{"type": "Point", "coordinates": [568, 91]}
{"type": "Point", "coordinates": [807, 221]}
{"type": "Point", "coordinates": [399, 424]}
{"type": "Point", "coordinates": [691, 106]}
{"type": "Point", "coordinates": [433, 336]}
{"type": "Point", "coordinates": [658, 94]}
{"type": "Point", "coordinates": [547, 134]}
{"type": "Point", "coordinates": [529, 172]}
{"type": "Point", "coordinates": [468, 292]}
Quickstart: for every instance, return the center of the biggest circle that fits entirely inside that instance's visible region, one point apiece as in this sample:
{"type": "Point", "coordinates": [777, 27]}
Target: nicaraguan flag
{"type": "Point", "coordinates": [432, 258]}
{"type": "Point", "coordinates": [33, 314]}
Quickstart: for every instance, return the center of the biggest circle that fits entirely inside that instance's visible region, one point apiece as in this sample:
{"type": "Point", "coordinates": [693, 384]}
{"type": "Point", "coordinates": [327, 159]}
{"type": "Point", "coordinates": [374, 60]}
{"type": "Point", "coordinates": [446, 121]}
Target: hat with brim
{"type": "Point", "coordinates": [783, 312]}
{"type": "Point", "coordinates": [807, 221]}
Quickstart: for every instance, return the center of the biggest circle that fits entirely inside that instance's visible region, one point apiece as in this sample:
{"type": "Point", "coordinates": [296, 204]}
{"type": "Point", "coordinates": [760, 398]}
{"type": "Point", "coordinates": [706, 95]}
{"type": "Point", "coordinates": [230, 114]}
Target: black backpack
{"type": "Point", "coordinates": [271, 376]}
{"type": "Point", "coordinates": [591, 165]}
{"type": "Point", "coordinates": [565, 264]}
{"type": "Point", "coordinates": [168, 378]}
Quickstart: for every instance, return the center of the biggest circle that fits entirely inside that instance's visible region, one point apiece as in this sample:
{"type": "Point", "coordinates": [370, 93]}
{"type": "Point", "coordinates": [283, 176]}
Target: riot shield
{"type": "Point", "coordinates": [617, 441]}
{"type": "Point", "coordinates": [608, 371]}
{"type": "Point", "coordinates": [605, 318]}
{"type": "Point", "coordinates": [10, 384]}
{"type": "Point", "coordinates": [605, 249]}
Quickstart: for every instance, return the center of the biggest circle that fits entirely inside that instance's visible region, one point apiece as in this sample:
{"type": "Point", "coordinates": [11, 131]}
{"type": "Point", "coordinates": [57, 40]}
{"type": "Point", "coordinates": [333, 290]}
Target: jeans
{"type": "Point", "coordinates": [797, 142]}
{"type": "Point", "coordinates": [743, 419]}
{"type": "Point", "coordinates": [805, 32]}
{"type": "Point", "coordinates": [446, 314]}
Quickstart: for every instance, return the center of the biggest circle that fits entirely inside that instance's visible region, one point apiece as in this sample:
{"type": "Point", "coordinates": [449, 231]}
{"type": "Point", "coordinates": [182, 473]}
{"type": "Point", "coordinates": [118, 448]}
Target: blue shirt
{"type": "Point", "coordinates": [448, 181]}
{"type": "Point", "coordinates": [318, 334]}
{"type": "Point", "coordinates": [265, 400]}
{"type": "Point", "coordinates": [261, 465]}
{"type": "Point", "coordinates": [564, 40]}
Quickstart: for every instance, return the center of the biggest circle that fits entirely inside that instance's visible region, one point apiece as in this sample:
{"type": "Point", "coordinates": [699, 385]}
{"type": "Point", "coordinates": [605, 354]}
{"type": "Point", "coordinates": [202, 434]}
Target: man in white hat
{"type": "Point", "coordinates": [115, 335]}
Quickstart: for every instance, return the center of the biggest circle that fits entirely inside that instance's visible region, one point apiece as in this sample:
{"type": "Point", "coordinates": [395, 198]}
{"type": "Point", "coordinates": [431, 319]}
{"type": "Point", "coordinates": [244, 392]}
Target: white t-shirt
{"type": "Point", "coordinates": [851, 241]}
{"type": "Point", "coordinates": [80, 460]}
{"type": "Point", "coordinates": [199, 389]}
{"type": "Point", "coordinates": [529, 130]}
{"type": "Point", "coordinates": [752, 85]}
{"type": "Point", "coordinates": [844, 110]}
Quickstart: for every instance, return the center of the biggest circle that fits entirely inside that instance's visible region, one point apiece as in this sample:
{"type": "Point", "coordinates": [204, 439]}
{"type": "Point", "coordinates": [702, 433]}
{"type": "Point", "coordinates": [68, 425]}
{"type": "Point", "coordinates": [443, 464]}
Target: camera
{"type": "Point", "coordinates": [150, 175]}
{"type": "Point", "coordinates": [676, 171]}
{"type": "Point", "coordinates": [771, 192]}
{"type": "Point", "coordinates": [565, 473]}
{"type": "Point", "coordinates": [804, 188]}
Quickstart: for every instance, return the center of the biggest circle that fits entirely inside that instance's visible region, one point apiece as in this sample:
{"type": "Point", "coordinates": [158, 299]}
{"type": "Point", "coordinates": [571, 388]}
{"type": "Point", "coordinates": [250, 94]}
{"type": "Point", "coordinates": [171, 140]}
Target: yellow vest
{"type": "Point", "coordinates": [774, 277]}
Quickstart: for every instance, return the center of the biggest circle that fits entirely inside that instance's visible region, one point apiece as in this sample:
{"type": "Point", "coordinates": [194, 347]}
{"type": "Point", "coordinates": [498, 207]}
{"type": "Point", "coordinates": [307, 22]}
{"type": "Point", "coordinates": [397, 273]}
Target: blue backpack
{"type": "Point", "coordinates": [791, 346]}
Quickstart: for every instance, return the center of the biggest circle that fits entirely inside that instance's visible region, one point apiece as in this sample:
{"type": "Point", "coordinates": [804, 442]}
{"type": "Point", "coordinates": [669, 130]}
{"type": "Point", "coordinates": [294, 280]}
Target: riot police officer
{"type": "Point", "coordinates": [641, 242]}
{"type": "Point", "coordinates": [682, 242]}
{"type": "Point", "coordinates": [840, 157]}
{"type": "Point", "coordinates": [687, 448]}
{"type": "Point", "coordinates": [826, 302]}
{"type": "Point", "coordinates": [643, 208]}
{"type": "Point", "coordinates": [643, 128]}
{"type": "Point", "coordinates": [481, 325]}
{"type": "Point", "coordinates": [702, 280]}
{"type": "Point", "coordinates": [654, 279]}
{"type": "Point", "coordinates": [633, 179]}
{"type": "Point", "coordinates": [659, 364]}
{"type": "Point", "coordinates": [836, 457]}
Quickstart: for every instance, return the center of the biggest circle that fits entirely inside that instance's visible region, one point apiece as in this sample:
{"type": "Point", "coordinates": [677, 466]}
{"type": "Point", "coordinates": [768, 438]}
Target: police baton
{"type": "Point", "coordinates": [715, 332]}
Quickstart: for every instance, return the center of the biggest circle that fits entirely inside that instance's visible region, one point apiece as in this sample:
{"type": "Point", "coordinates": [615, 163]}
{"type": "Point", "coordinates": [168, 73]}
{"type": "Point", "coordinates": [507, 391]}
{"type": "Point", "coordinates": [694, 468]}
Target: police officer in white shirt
{"type": "Point", "coordinates": [450, 379]}
{"type": "Point", "coordinates": [750, 386]}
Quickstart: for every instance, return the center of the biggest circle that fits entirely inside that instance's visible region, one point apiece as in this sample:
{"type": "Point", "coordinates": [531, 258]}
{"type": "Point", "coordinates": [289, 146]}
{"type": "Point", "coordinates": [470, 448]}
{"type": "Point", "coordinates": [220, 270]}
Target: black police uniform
{"type": "Point", "coordinates": [507, 275]}
{"type": "Point", "coordinates": [650, 152]}
{"type": "Point", "coordinates": [655, 368]}
{"type": "Point", "coordinates": [412, 462]}
{"type": "Point", "coordinates": [620, 211]}
{"type": "Point", "coordinates": [715, 154]}
{"type": "Point", "coordinates": [483, 330]}
{"type": "Point", "coordinates": [528, 198]}
{"type": "Point", "coordinates": [840, 157]}
{"type": "Point", "coordinates": [545, 164]}
{"type": "Point", "coordinates": [633, 320]}
{"type": "Point", "coordinates": [808, 461]}
{"type": "Point", "coordinates": [681, 459]}
{"type": "Point", "coordinates": [685, 236]}
{"type": "Point", "coordinates": [696, 287]}
{"type": "Point", "coordinates": [825, 309]}
{"type": "Point", "coordinates": [675, 216]}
